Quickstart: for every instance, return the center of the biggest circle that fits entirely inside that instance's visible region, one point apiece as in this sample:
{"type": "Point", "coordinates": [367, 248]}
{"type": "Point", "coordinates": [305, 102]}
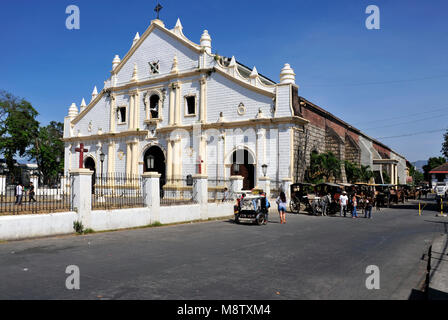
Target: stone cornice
{"type": "Point", "coordinates": [106, 136]}
{"type": "Point", "coordinates": [237, 124]}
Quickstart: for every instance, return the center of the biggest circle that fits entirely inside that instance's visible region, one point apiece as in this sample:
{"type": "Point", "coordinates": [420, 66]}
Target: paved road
{"type": "Point", "coordinates": [307, 258]}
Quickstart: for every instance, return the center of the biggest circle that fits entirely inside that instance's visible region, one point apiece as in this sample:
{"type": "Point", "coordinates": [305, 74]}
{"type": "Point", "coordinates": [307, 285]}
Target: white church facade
{"type": "Point", "coordinates": [173, 107]}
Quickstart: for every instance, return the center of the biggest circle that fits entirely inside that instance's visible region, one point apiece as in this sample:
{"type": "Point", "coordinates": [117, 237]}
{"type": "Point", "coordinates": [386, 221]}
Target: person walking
{"type": "Point", "coordinates": [343, 199]}
{"type": "Point", "coordinates": [368, 208]}
{"type": "Point", "coordinates": [281, 202]}
{"type": "Point", "coordinates": [31, 193]}
{"type": "Point", "coordinates": [355, 204]}
{"type": "Point", "coordinates": [19, 194]}
{"type": "Point", "coordinates": [265, 206]}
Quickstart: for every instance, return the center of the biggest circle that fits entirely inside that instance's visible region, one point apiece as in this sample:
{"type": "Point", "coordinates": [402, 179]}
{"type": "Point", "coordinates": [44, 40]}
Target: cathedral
{"type": "Point", "coordinates": [172, 106]}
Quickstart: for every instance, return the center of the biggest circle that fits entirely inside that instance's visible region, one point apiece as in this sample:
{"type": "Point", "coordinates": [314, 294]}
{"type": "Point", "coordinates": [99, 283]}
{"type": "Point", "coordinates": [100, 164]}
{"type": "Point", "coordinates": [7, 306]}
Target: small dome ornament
{"type": "Point", "coordinates": [206, 42]}
{"type": "Point", "coordinates": [287, 75]}
{"type": "Point", "coordinates": [116, 61]}
{"type": "Point", "coordinates": [73, 110]}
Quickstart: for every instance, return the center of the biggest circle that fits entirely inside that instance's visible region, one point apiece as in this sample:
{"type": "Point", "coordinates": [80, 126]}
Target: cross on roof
{"type": "Point", "coordinates": [81, 151]}
{"type": "Point", "coordinates": [157, 9]}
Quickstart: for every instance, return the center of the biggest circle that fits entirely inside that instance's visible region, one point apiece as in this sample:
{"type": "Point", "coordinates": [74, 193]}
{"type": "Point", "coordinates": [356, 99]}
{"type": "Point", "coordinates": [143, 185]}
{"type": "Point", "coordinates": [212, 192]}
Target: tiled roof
{"type": "Point", "coordinates": [440, 169]}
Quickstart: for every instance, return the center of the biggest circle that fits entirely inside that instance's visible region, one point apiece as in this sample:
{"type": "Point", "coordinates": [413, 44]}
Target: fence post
{"type": "Point", "coordinates": [236, 185]}
{"type": "Point", "coordinates": [2, 184]}
{"type": "Point", "coordinates": [82, 195]}
{"type": "Point", "coordinates": [200, 193]}
{"type": "Point", "coordinates": [265, 184]}
{"type": "Point", "coordinates": [151, 195]}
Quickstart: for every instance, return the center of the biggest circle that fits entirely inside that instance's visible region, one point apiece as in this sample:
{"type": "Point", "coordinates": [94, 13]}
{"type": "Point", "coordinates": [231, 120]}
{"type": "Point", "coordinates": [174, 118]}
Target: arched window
{"type": "Point", "coordinates": [154, 106]}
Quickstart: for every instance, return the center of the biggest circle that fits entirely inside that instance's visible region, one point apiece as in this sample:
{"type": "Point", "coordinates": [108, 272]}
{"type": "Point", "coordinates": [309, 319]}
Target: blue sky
{"type": "Point", "coordinates": [386, 82]}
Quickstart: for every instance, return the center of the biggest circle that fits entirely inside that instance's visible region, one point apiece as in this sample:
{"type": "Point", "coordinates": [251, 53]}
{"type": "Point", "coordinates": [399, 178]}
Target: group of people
{"type": "Point", "coordinates": [21, 191]}
{"type": "Point", "coordinates": [344, 202]}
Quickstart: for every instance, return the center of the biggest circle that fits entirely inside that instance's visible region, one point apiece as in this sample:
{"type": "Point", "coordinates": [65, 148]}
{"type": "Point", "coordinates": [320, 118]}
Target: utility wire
{"type": "Point", "coordinates": [407, 122]}
{"type": "Point", "coordinates": [412, 134]}
{"type": "Point", "coordinates": [376, 82]}
{"type": "Point", "coordinates": [445, 108]}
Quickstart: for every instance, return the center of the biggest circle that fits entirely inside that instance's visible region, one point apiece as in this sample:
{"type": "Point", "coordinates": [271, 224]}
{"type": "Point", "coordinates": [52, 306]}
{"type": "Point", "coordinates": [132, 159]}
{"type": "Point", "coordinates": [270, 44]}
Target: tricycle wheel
{"type": "Point", "coordinates": [260, 220]}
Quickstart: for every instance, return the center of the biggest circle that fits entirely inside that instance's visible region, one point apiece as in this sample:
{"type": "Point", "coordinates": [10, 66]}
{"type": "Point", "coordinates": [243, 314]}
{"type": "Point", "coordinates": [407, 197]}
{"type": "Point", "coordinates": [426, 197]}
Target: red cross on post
{"type": "Point", "coordinates": [81, 151]}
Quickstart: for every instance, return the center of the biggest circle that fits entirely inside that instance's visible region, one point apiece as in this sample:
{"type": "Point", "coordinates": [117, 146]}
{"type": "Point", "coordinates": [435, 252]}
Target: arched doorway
{"type": "Point", "coordinates": [154, 161]}
{"type": "Point", "coordinates": [243, 165]}
{"type": "Point", "coordinates": [89, 163]}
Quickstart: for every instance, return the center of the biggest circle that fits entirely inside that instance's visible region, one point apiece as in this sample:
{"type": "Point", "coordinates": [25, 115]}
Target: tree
{"type": "Point", "coordinates": [433, 162]}
{"type": "Point", "coordinates": [445, 144]}
{"type": "Point", "coordinates": [18, 128]}
{"type": "Point", "coordinates": [356, 173]}
{"type": "Point", "coordinates": [323, 167]}
{"type": "Point", "coordinates": [48, 151]}
{"type": "Point", "coordinates": [417, 176]}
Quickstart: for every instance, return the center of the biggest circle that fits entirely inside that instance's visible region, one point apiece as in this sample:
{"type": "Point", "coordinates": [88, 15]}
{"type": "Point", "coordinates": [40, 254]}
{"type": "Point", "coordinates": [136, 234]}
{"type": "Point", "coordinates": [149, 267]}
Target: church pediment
{"type": "Point", "coordinates": [159, 51]}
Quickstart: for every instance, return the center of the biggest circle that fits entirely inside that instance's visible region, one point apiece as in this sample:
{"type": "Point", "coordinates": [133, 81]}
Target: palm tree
{"type": "Point", "coordinates": [323, 167]}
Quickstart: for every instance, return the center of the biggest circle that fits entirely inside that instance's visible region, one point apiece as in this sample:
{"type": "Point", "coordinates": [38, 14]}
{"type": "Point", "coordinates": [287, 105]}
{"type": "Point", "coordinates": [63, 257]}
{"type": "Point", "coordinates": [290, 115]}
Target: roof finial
{"type": "Point", "coordinates": [94, 93]}
{"type": "Point", "coordinates": [136, 38]}
{"type": "Point", "coordinates": [135, 73]}
{"type": "Point", "coordinates": [83, 105]}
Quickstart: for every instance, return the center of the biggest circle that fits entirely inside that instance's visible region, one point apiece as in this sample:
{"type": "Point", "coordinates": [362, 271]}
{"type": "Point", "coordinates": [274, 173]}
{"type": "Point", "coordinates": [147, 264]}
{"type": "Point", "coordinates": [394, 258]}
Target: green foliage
{"type": "Point", "coordinates": [355, 173]}
{"type": "Point", "coordinates": [417, 176]}
{"type": "Point", "coordinates": [445, 144]}
{"type": "Point", "coordinates": [78, 227]}
{"type": "Point", "coordinates": [47, 148]}
{"type": "Point", "coordinates": [323, 167]}
{"type": "Point", "coordinates": [433, 162]}
{"type": "Point", "coordinates": [18, 128]}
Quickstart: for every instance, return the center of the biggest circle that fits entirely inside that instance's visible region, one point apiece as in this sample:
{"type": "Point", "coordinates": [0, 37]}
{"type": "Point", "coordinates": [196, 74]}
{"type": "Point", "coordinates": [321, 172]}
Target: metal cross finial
{"type": "Point", "coordinates": [157, 9]}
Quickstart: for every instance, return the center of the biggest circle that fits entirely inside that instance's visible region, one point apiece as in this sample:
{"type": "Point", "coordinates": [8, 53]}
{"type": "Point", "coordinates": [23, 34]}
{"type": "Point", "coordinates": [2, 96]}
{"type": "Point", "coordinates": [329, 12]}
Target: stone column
{"type": "Point", "coordinates": [136, 109]}
{"type": "Point", "coordinates": [81, 195]}
{"type": "Point", "coordinates": [131, 112]}
{"type": "Point", "coordinates": [236, 185]}
{"type": "Point", "coordinates": [200, 193]}
{"type": "Point", "coordinates": [169, 160]}
{"type": "Point", "coordinates": [113, 114]}
{"type": "Point", "coordinates": [151, 195]}
{"type": "Point", "coordinates": [171, 104]}
{"type": "Point", "coordinates": [128, 158]}
{"type": "Point", "coordinates": [135, 157]}
{"type": "Point", "coordinates": [203, 101]}
{"type": "Point", "coordinates": [111, 158]}
{"type": "Point", "coordinates": [265, 184]}
{"type": "Point", "coordinates": [178, 118]}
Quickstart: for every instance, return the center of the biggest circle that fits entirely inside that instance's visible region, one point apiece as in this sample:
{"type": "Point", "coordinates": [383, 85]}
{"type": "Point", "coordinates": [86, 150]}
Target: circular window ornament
{"type": "Point", "coordinates": [241, 109]}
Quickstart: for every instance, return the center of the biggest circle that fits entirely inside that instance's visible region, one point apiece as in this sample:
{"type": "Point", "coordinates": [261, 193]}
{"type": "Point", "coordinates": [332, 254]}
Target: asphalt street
{"type": "Point", "coordinates": [306, 258]}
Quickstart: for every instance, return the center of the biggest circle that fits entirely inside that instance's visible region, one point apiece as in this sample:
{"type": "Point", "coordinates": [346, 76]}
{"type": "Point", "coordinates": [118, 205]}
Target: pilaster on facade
{"type": "Point", "coordinates": [172, 104]}
{"type": "Point", "coordinates": [177, 116]}
{"type": "Point", "coordinates": [203, 99]}
{"type": "Point", "coordinates": [112, 119]}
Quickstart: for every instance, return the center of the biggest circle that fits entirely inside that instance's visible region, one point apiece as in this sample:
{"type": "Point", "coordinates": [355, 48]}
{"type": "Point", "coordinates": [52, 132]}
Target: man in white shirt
{"type": "Point", "coordinates": [19, 194]}
{"type": "Point", "coordinates": [343, 199]}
